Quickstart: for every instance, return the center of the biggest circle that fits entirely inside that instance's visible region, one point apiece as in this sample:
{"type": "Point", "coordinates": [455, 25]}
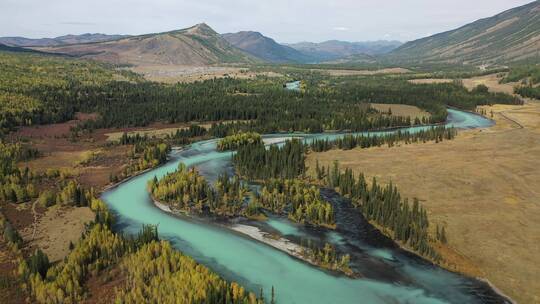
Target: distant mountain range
{"type": "Point", "coordinates": [62, 40]}
{"type": "Point", "coordinates": [200, 45]}
{"type": "Point", "coordinates": [335, 49]}
{"type": "Point", "coordinates": [509, 36]}
{"type": "Point", "coordinates": [306, 52]}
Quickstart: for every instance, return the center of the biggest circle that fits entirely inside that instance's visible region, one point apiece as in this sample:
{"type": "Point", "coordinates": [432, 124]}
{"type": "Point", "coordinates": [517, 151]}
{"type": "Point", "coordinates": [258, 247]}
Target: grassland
{"type": "Point", "coordinates": [492, 81]}
{"type": "Point", "coordinates": [401, 110]}
{"type": "Point", "coordinates": [188, 74]}
{"type": "Point", "coordinates": [484, 187]}
{"type": "Point", "coordinates": [346, 72]}
{"type": "Point", "coordinates": [57, 228]}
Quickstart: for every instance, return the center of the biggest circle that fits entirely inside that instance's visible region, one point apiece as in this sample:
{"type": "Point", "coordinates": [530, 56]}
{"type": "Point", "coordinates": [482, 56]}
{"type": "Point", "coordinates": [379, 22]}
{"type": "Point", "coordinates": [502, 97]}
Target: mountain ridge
{"type": "Point", "coordinates": [509, 36]}
{"type": "Point", "coordinates": [193, 46]}
{"type": "Point", "coordinates": [265, 47]}
{"type": "Point", "coordinates": [18, 41]}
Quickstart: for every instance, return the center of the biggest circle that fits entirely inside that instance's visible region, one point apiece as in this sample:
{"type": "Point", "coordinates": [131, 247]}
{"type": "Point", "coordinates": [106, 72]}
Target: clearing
{"type": "Point", "coordinates": [401, 110]}
{"type": "Point", "coordinates": [187, 74]}
{"type": "Point", "coordinates": [491, 81]}
{"type": "Point", "coordinates": [337, 72]}
{"type": "Point", "coordinates": [58, 226]}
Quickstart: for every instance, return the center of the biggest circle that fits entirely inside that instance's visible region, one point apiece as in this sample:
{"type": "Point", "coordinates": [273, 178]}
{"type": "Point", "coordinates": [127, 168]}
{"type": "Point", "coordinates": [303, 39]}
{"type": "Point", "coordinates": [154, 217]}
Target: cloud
{"type": "Point", "coordinates": [340, 28]}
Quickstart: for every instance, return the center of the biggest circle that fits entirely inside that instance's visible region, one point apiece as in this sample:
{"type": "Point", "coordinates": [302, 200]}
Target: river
{"type": "Point", "coordinates": [391, 275]}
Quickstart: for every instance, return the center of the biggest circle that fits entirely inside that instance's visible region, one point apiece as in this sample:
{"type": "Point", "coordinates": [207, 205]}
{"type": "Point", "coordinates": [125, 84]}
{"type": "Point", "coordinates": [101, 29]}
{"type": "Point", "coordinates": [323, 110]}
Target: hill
{"type": "Point", "coordinates": [335, 49]}
{"type": "Point", "coordinates": [16, 49]}
{"type": "Point", "coordinates": [265, 48]}
{"type": "Point", "coordinates": [510, 36]}
{"type": "Point", "coordinates": [194, 46]}
{"type": "Point", "coordinates": [61, 40]}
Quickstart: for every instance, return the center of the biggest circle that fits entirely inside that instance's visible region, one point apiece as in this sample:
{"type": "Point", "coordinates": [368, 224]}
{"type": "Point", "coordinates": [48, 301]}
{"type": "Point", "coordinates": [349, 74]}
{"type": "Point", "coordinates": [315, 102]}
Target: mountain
{"type": "Point", "coordinates": [509, 36]}
{"type": "Point", "coordinates": [334, 49]}
{"type": "Point", "coordinates": [194, 46]}
{"type": "Point", "coordinates": [265, 48]}
{"type": "Point", "coordinates": [62, 40]}
{"type": "Point", "coordinates": [353, 59]}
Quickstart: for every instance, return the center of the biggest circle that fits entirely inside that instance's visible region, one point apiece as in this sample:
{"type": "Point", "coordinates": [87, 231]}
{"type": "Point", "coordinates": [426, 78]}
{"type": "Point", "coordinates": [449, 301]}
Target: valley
{"type": "Point", "coordinates": [201, 166]}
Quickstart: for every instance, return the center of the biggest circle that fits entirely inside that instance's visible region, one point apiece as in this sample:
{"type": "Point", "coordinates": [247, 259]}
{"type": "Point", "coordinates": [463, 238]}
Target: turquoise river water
{"type": "Point", "coordinates": [256, 265]}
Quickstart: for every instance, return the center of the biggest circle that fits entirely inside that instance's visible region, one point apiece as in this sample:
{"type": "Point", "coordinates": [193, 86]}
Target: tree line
{"type": "Point", "coordinates": [347, 142]}
{"type": "Point", "coordinates": [255, 162]}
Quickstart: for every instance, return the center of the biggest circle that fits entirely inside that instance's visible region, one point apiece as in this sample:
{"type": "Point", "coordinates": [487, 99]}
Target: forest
{"type": "Point", "coordinates": [235, 141]}
{"type": "Point", "coordinates": [37, 89]}
{"type": "Point", "coordinates": [301, 202]}
{"type": "Point", "coordinates": [255, 162]}
{"type": "Point", "coordinates": [157, 271]}
{"type": "Point", "coordinates": [187, 190]}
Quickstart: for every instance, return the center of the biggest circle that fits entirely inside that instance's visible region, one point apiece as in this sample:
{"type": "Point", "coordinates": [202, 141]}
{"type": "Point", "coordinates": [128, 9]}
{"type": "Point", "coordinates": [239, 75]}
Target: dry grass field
{"type": "Point", "coordinates": [56, 228]}
{"type": "Point", "coordinates": [336, 72]}
{"type": "Point", "coordinates": [491, 81]}
{"type": "Point", "coordinates": [484, 186]}
{"type": "Point", "coordinates": [401, 110]}
{"type": "Point", "coordinates": [187, 74]}
{"type": "Point", "coordinates": [430, 80]}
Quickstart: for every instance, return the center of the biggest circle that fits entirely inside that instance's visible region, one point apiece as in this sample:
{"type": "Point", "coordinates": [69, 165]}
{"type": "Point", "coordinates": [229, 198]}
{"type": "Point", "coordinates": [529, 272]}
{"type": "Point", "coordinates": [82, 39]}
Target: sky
{"type": "Point", "coordinates": [286, 21]}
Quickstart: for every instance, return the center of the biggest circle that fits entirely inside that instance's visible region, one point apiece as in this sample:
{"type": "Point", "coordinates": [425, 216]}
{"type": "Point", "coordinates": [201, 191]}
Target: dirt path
{"type": "Point", "coordinates": [503, 114]}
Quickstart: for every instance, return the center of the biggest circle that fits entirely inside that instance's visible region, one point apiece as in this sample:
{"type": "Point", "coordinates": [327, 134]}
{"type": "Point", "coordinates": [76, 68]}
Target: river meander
{"type": "Point", "coordinates": [391, 275]}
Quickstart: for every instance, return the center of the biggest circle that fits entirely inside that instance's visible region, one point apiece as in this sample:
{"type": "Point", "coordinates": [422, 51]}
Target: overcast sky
{"type": "Point", "coordinates": [283, 20]}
